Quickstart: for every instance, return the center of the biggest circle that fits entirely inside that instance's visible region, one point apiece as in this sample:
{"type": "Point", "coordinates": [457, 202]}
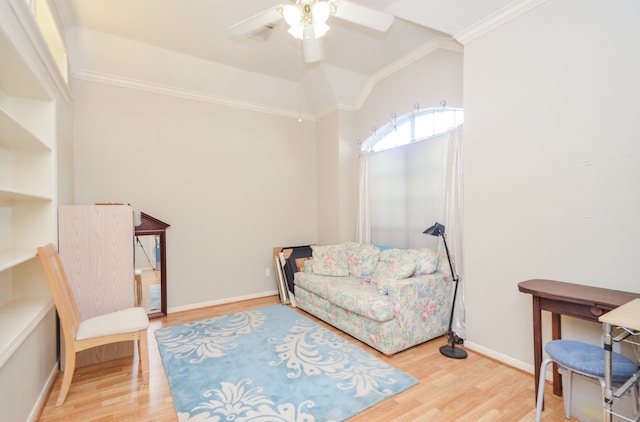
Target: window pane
{"type": "Point", "coordinates": [401, 135]}
{"type": "Point", "coordinates": [411, 127]}
{"type": "Point", "coordinates": [424, 126]}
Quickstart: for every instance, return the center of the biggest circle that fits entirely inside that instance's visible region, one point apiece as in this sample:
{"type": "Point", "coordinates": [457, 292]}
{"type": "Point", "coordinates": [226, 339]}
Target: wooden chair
{"type": "Point", "coordinates": [125, 325]}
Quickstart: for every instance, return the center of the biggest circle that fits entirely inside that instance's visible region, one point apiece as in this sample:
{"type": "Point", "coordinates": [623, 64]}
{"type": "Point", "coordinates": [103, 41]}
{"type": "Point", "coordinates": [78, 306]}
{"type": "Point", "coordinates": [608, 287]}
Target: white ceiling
{"type": "Point", "coordinates": [200, 28]}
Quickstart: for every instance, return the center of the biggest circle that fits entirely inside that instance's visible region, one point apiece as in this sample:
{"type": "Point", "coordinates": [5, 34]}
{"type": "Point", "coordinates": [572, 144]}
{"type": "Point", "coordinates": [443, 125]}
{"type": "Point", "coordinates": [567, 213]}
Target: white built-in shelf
{"type": "Point", "coordinates": [28, 137]}
{"type": "Point", "coordinates": [12, 257]}
{"type": "Point", "coordinates": [17, 319]}
{"type": "Point", "coordinates": [9, 195]}
{"type": "Point", "coordinates": [14, 135]}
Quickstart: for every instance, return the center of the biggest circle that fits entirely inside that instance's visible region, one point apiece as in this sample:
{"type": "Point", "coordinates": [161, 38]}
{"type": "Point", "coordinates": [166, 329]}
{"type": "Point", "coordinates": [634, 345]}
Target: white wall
{"type": "Point", "coordinates": [435, 77]}
{"type": "Point", "coordinates": [328, 165]}
{"type": "Point", "coordinates": [232, 183]}
{"type": "Point", "coordinates": [337, 158]}
{"type": "Point", "coordinates": [551, 162]}
{"type": "Point", "coordinates": [426, 81]}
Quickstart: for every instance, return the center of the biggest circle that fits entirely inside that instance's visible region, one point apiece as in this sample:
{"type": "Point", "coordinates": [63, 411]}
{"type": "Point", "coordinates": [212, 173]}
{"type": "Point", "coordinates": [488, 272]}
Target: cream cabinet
{"type": "Point", "coordinates": [95, 244]}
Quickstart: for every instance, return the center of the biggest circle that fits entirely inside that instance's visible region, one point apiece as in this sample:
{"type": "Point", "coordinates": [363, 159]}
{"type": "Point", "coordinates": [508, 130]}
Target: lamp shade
{"type": "Point", "coordinates": [320, 11]}
{"type": "Point", "coordinates": [292, 15]}
{"type": "Point", "coordinates": [297, 31]}
{"type": "Point", "coordinates": [436, 230]}
{"type": "Point", "coordinates": [320, 29]}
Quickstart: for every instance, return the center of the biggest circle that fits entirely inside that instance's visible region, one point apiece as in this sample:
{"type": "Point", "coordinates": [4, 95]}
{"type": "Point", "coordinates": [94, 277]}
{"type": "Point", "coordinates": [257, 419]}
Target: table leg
{"type": "Point", "coordinates": [537, 341]}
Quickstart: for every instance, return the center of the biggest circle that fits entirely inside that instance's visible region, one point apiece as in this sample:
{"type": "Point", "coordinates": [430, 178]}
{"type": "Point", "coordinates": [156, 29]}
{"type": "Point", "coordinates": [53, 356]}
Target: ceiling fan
{"type": "Point", "coordinates": [307, 20]}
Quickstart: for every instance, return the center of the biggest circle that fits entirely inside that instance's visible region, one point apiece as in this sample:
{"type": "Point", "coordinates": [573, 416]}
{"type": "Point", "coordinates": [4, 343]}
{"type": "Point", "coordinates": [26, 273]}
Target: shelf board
{"type": "Point", "coordinates": [14, 135]}
{"type": "Point", "coordinates": [17, 78]}
{"type": "Point", "coordinates": [12, 257]}
{"type": "Point", "coordinates": [9, 195]}
{"type": "Point", "coordinates": [18, 318]}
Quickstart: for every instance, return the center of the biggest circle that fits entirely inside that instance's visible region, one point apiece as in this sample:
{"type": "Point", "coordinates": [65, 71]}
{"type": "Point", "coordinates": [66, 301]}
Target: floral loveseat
{"type": "Point", "coordinates": [390, 300]}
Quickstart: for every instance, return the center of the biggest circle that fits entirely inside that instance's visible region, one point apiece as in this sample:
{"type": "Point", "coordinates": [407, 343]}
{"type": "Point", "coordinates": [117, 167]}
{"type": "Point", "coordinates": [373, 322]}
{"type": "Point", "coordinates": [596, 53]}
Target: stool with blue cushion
{"type": "Point", "coordinates": [584, 359]}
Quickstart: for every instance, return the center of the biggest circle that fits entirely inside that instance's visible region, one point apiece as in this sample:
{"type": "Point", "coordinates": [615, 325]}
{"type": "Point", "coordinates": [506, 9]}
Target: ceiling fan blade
{"type": "Point", "coordinates": [257, 22]}
{"type": "Point", "coordinates": [364, 16]}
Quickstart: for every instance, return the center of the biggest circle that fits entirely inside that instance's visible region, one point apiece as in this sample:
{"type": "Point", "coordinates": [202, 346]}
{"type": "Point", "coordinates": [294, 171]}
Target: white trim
{"type": "Point", "coordinates": [44, 394]}
{"type": "Point", "coordinates": [499, 18]}
{"type": "Point", "coordinates": [508, 360]}
{"type": "Point", "coordinates": [199, 305]}
{"type": "Point", "coordinates": [124, 82]}
{"type": "Point", "coordinates": [156, 88]}
{"type": "Point", "coordinates": [403, 62]}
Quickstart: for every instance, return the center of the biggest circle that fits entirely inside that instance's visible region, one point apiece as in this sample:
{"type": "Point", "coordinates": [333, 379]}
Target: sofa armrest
{"type": "Point", "coordinates": [422, 303]}
{"type": "Point", "coordinates": [428, 282]}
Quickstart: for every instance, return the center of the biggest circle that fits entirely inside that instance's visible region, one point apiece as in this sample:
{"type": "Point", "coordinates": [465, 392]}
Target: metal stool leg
{"type": "Point", "coordinates": [568, 394]}
{"type": "Point", "coordinates": [541, 382]}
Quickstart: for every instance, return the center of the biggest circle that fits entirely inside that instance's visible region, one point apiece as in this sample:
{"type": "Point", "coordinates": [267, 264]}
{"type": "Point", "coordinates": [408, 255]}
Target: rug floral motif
{"type": "Point", "coordinates": [271, 364]}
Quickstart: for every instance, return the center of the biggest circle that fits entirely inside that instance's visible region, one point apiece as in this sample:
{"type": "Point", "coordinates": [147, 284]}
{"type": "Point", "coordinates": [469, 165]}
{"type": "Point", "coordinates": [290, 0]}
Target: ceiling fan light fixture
{"type": "Point", "coordinates": [320, 29]}
{"type": "Point", "coordinates": [305, 15]}
{"type": "Point", "coordinates": [297, 31]}
{"type": "Point", "coordinates": [320, 11]}
{"type": "Point", "coordinates": [292, 14]}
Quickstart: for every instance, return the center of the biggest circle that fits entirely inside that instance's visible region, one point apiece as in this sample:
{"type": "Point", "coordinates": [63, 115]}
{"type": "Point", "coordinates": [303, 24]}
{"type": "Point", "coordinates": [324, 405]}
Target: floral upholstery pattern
{"type": "Point", "coordinates": [362, 259]}
{"type": "Point", "coordinates": [330, 260]}
{"type": "Point", "coordinates": [357, 295]}
{"type": "Point", "coordinates": [427, 261]}
{"type": "Point", "coordinates": [412, 309]}
{"type": "Point", "coordinates": [387, 271]}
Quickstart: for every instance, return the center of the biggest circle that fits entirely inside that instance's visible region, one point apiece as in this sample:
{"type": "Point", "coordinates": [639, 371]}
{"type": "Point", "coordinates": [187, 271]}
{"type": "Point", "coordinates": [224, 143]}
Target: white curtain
{"type": "Point", "coordinates": [363, 221]}
{"type": "Point", "coordinates": [440, 181]}
{"type": "Point", "coordinates": [405, 193]}
{"type": "Point", "coordinates": [452, 219]}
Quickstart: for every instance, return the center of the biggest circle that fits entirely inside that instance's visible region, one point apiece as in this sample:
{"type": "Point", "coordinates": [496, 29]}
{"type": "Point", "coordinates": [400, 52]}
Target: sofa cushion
{"type": "Point", "coordinates": [387, 272]}
{"type": "Point", "coordinates": [427, 261]}
{"type": "Point", "coordinates": [362, 259]}
{"type": "Point", "coordinates": [350, 293]}
{"type": "Point", "coordinates": [394, 254]}
{"type": "Point", "coordinates": [330, 260]}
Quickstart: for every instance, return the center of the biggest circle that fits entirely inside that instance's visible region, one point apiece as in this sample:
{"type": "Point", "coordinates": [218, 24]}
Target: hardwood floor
{"type": "Point", "coordinates": [473, 389]}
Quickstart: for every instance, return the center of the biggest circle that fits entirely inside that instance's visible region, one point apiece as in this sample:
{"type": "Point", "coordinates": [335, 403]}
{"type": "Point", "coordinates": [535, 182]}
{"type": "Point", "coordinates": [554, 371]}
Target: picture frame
{"type": "Point", "coordinates": [290, 260]}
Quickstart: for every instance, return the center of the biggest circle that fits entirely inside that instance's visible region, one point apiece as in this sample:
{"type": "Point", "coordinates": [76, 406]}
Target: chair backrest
{"type": "Point", "coordinates": [61, 290]}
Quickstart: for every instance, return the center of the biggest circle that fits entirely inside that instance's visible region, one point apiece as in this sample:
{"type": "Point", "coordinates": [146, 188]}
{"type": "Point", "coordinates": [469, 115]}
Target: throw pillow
{"type": "Point", "coordinates": [330, 260]}
{"type": "Point", "coordinates": [387, 272]}
{"type": "Point", "coordinates": [391, 255]}
{"type": "Point", "coordinates": [362, 259]}
{"type": "Point", "coordinates": [426, 261]}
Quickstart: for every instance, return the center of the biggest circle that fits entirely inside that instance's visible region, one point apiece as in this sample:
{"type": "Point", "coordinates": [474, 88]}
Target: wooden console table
{"type": "Point", "coordinates": [560, 298]}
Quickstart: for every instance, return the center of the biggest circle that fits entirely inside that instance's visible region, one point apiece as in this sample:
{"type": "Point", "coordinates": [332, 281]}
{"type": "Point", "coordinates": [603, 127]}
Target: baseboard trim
{"type": "Point", "coordinates": [207, 304]}
{"type": "Point", "coordinates": [492, 354]}
{"type": "Point", "coordinates": [39, 405]}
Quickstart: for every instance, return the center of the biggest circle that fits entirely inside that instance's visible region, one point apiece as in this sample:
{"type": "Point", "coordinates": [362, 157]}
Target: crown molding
{"type": "Point", "coordinates": [496, 19]}
{"type": "Point", "coordinates": [405, 61]}
{"type": "Point", "coordinates": [140, 85]}
{"type": "Point", "coordinates": [156, 88]}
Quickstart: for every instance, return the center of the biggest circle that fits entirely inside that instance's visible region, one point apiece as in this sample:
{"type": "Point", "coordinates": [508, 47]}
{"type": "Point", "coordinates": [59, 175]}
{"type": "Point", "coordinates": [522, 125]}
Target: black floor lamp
{"type": "Point", "coordinates": [450, 349]}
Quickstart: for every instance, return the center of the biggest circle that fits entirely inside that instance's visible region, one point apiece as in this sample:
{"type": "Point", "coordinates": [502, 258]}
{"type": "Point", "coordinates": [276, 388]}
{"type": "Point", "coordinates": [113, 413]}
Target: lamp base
{"type": "Point", "coordinates": [453, 352]}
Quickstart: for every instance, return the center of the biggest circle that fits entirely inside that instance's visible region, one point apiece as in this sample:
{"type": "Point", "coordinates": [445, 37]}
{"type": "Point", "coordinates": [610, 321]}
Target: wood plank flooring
{"type": "Point", "coordinates": [473, 389]}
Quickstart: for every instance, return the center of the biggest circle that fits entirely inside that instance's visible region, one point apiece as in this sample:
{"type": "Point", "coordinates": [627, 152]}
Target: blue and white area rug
{"type": "Point", "coordinates": [271, 364]}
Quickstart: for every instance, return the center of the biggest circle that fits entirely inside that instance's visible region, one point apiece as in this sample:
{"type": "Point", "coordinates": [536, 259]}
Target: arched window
{"type": "Point", "coordinates": [413, 127]}
{"type": "Point", "coordinates": [405, 176]}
